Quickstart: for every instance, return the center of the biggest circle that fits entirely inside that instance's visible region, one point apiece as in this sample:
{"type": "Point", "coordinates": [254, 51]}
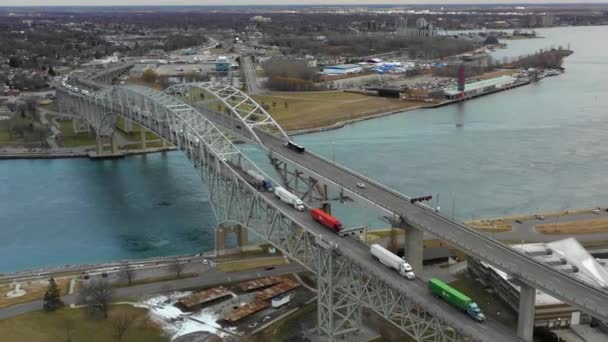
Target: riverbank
{"type": "Point", "coordinates": [82, 153]}
{"type": "Point", "coordinates": [341, 124]}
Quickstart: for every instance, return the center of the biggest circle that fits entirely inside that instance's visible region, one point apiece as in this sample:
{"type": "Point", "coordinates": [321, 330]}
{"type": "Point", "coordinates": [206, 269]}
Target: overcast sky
{"type": "Point", "coordinates": [268, 2]}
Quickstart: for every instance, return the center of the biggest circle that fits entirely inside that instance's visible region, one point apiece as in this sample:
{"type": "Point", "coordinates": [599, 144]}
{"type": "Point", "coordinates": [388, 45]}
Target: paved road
{"type": "Point", "coordinates": [210, 277]}
{"type": "Point", "coordinates": [479, 245]}
{"type": "Point", "coordinates": [253, 83]}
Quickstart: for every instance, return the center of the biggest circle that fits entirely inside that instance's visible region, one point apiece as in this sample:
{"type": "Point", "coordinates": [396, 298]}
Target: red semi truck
{"type": "Point", "coordinates": [326, 219]}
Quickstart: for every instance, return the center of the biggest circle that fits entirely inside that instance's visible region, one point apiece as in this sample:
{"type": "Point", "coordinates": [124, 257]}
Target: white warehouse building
{"type": "Point", "coordinates": [342, 69]}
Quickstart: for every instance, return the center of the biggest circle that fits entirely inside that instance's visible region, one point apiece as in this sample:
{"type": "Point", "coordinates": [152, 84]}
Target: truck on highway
{"type": "Point", "coordinates": [295, 147]}
{"type": "Point", "coordinates": [326, 219]}
{"type": "Point", "coordinates": [456, 298]}
{"type": "Point", "coordinates": [259, 181]}
{"type": "Point", "coordinates": [289, 198]}
{"type": "Point", "coordinates": [393, 261]}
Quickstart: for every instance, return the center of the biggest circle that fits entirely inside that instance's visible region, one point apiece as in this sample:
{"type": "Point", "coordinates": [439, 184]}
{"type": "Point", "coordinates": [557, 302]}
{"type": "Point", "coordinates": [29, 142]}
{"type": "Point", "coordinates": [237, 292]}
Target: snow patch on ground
{"type": "Point", "coordinates": [177, 323]}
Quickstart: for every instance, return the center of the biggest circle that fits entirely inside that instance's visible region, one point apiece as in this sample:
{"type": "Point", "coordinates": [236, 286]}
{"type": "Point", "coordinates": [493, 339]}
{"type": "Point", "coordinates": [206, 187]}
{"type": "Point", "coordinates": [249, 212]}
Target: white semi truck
{"type": "Point", "coordinates": [289, 198]}
{"type": "Point", "coordinates": [393, 261]}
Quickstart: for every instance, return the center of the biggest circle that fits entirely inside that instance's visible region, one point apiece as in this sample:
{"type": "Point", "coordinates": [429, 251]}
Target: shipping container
{"type": "Point", "coordinates": [393, 261]}
{"type": "Point", "coordinates": [456, 298]}
{"type": "Point", "coordinates": [326, 219]}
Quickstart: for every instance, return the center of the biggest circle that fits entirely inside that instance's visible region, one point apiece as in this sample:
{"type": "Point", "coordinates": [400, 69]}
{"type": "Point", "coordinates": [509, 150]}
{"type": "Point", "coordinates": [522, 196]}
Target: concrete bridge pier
{"type": "Point", "coordinates": [99, 145]}
{"type": "Point", "coordinates": [242, 238]}
{"type": "Point", "coordinates": [413, 246]}
{"type": "Point", "coordinates": [142, 136]}
{"type": "Point", "coordinates": [113, 143]}
{"type": "Point", "coordinates": [525, 320]}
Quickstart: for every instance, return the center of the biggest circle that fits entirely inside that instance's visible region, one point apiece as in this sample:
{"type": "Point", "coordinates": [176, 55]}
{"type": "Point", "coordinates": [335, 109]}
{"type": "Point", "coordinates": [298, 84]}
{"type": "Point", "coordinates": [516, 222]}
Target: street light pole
{"type": "Point", "coordinates": [452, 204]}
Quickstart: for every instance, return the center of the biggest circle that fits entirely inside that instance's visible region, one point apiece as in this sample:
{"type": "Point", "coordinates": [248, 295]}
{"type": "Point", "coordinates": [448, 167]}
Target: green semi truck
{"type": "Point", "coordinates": [456, 298]}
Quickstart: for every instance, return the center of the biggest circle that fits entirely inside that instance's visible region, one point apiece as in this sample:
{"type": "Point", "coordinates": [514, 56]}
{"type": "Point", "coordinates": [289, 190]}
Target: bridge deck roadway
{"type": "Point", "coordinates": [560, 285]}
{"type": "Point", "coordinates": [416, 289]}
{"type": "Point", "coordinates": [359, 254]}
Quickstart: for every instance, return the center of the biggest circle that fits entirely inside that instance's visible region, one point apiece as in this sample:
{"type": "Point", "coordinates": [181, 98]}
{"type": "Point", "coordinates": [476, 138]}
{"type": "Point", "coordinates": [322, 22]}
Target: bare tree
{"type": "Point", "coordinates": [96, 295]}
{"type": "Point", "coordinates": [149, 76]}
{"type": "Point", "coordinates": [177, 267]}
{"type": "Point", "coordinates": [121, 322]}
{"type": "Point", "coordinates": [127, 272]}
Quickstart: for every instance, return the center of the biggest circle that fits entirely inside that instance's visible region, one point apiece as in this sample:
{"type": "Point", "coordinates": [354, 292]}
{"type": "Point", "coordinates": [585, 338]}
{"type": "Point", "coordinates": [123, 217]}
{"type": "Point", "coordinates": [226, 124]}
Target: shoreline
{"type": "Point", "coordinates": [81, 154]}
{"type": "Point", "coordinates": [343, 123]}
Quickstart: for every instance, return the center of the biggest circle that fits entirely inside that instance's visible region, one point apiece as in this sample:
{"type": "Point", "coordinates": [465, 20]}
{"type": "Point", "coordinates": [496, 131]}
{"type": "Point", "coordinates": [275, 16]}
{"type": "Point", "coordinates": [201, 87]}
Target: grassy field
{"type": "Point", "coordinates": [134, 135]}
{"type": "Point", "coordinates": [241, 265]}
{"type": "Point", "coordinates": [71, 139]}
{"type": "Point", "coordinates": [40, 326]}
{"type": "Point", "coordinates": [8, 139]}
{"type": "Point", "coordinates": [575, 227]}
{"type": "Point", "coordinates": [35, 290]}
{"type": "Point", "coordinates": [498, 73]}
{"type": "Point", "coordinates": [305, 110]}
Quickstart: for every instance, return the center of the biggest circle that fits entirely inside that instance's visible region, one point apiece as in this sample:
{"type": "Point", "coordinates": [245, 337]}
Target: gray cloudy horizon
{"type": "Point", "coordinates": [277, 2]}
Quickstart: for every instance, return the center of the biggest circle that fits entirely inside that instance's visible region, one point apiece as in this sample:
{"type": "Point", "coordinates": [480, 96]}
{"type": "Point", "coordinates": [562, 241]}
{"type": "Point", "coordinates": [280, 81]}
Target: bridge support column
{"type": "Point", "coordinates": [142, 136]}
{"type": "Point", "coordinates": [525, 320]}
{"type": "Point", "coordinates": [242, 237]}
{"type": "Point", "coordinates": [413, 247]}
{"type": "Point", "coordinates": [339, 310]}
{"type": "Point", "coordinates": [99, 145]}
{"type": "Point", "coordinates": [114, 143]}
{"type": "Point", "coordinates": [128, 125]}
{"type": "Point", "coordinates": [220, 240]}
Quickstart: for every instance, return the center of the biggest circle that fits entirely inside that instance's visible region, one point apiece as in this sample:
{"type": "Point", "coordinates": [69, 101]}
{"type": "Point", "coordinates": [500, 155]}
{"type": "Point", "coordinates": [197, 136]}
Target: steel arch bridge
{"type": "Point", "coordinates": [232, 101]}
{"type": "Point", "coordinates": [345, 284]}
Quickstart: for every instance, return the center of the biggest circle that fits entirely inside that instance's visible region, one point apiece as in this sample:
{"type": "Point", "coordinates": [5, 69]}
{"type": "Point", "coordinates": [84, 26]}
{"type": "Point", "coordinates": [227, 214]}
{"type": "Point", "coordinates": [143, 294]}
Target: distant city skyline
{"type": "Point", "coordinates": [279, 2]}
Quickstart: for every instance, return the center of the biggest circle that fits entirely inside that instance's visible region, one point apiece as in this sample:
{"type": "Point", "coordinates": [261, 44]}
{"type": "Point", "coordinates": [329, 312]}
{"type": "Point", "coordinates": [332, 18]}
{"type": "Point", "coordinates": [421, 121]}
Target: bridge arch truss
{"type": "Point", "coordinates": [229, 100]}
{"type": "Point", "coordinates": [344, 285]}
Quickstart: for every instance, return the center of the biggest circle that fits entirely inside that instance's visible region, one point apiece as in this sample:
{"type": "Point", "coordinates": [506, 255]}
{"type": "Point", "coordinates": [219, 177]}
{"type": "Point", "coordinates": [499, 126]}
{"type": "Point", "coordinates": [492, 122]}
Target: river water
{"type": "Point", "coordinates": [535, 148]}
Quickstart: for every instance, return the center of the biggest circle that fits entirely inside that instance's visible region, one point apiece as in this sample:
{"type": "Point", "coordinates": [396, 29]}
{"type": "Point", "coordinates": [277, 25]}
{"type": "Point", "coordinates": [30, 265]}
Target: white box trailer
{"type": "Point", "coordinates": [393, 261]}
{"type": "Point", "coordinates": [289, 198]}
{"type": "Point", "coordinates": [280, 300]}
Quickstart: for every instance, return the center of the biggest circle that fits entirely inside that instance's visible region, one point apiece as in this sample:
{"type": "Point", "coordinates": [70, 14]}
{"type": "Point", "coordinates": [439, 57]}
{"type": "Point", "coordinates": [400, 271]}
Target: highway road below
{"type": "Point", "coordinates": [253, 83]}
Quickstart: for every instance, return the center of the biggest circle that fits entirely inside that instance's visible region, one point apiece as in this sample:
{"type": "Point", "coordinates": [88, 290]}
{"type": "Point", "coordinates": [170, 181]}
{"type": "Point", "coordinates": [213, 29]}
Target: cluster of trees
{"type": "Point", "coordinates": [37, 48]}
{"type": "Point", "coordinates": [363, 45]}
{"type": "Point", "coordinates": [25, 126]}
{"type": "Point", "coordinates": [182, 41]}
{"type": "Point", "coordinates": [289, 74]}
{"type": "Point", "coordinates": [25, 81]}
{"type": "Point", "coordinates": [550, 59]}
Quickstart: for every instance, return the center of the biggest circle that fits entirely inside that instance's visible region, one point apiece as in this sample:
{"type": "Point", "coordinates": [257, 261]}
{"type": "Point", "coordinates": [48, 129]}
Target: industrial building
{"type": "Point", "coordinates": [568, 256]}
{"type": "Point", "coordinates": [277, 289]}
{"type": "Point", "coordinates": [479, 88]}
{"type": "Point", "coordinates": [342, 69]}
{"type": "Point", "coordinates": [198, 299]}
{"type": "Point", "coordinates": [419, 29]}
{"type": "Point", "coordinates": [222, 64]}
{"type": "Point", "coordinates": [261, 282]}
